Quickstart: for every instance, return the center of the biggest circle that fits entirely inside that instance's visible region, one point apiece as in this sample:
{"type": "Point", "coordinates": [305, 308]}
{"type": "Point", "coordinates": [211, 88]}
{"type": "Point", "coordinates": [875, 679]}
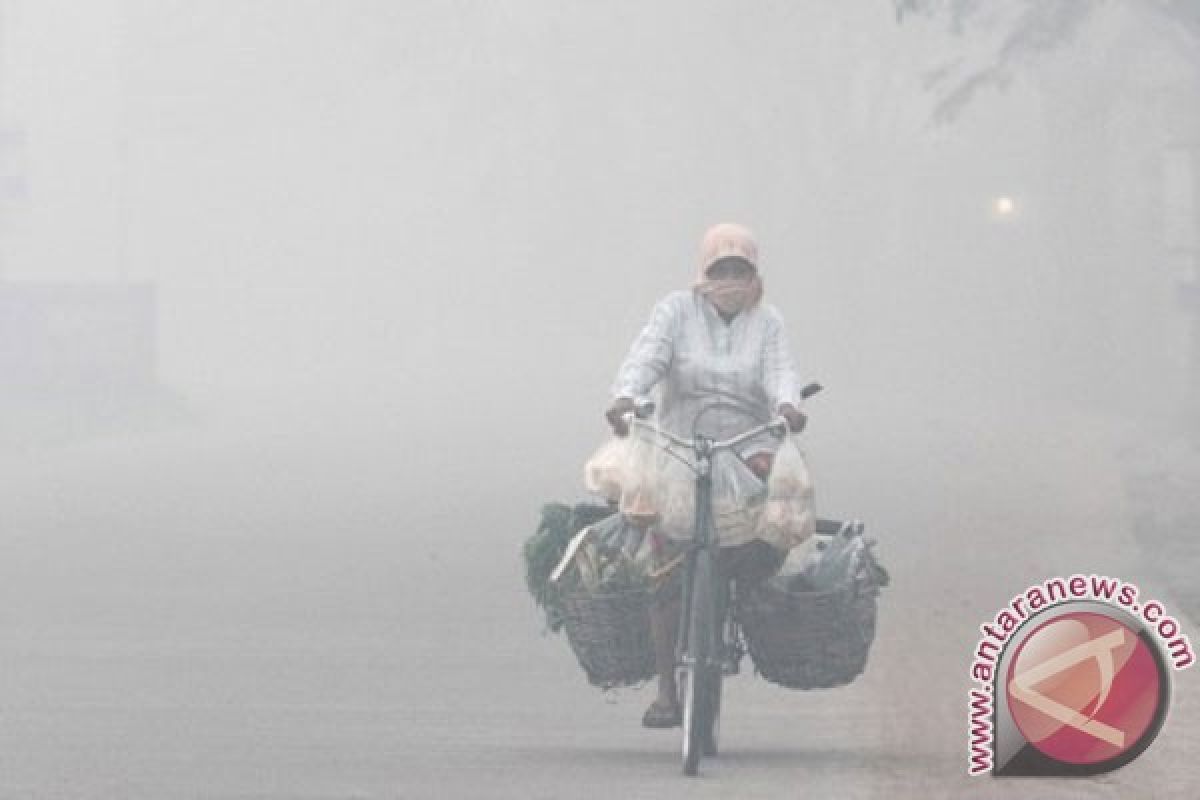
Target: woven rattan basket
{"type": "Point", "coordinates": [610, 634]}
{"type": "Point", "coordinates": [809, 639]}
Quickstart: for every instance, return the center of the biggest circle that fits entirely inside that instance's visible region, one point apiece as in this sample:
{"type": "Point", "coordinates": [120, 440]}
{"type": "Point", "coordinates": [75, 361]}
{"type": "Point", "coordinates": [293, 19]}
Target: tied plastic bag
{"type": "Point", "coordinates": [789, 516]}
{"type": "Point", "coordinates": [738, 497]}
{"type": "Point", "coordinates": [649, 479]}
{"type": "Point", "coordinates": [605, 472]}
{"type": "Point", "coordinates": [835, 561]}
{"type": "Point", "coordinates": [676, 495]}
{"type": "Point", "coordinates": [658, 485]}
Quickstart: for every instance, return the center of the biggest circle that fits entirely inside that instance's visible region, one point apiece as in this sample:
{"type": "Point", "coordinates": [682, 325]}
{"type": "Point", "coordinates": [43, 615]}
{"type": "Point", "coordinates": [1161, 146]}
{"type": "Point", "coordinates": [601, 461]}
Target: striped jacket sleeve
{"type": "Point", "coordinates": [650, 355]}
{"type": "Point", "coordinates": [780, 378]}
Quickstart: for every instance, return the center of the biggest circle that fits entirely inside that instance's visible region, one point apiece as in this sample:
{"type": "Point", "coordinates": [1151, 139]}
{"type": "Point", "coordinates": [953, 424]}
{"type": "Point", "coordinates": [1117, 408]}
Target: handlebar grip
{"type": "Point", "coordinates": [829, 526]}
{"type": "Point", "coordinates": [810, 390]}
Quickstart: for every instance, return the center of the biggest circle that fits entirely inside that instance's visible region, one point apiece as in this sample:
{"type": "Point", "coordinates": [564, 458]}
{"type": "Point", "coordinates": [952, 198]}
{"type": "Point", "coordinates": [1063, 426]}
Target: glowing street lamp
{"type": "Point", "coordinates": [1004, 206]}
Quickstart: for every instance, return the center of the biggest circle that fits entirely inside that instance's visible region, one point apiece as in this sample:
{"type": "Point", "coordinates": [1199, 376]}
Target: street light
{"type": "Point", "coordinates": [1004, 206]}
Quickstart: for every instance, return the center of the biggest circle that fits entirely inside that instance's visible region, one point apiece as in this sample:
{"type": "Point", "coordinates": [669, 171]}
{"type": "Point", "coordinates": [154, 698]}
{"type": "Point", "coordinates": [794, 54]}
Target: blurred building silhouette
{"type": "Point", "coordinates": [70, 337]}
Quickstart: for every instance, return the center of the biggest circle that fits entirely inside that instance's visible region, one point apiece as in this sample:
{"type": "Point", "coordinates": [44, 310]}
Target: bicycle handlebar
{"type": "Point", "coordinates": [777, 426]}
{"type": "Point", "coordinates": [643, 409]}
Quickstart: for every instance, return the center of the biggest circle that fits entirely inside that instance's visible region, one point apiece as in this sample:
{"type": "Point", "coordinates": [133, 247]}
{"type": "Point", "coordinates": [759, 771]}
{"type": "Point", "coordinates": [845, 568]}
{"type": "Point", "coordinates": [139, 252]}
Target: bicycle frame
{"type": "Point", "coordinates": [703, 539]}
{"type": "Point", "coordinates": [698, 652]}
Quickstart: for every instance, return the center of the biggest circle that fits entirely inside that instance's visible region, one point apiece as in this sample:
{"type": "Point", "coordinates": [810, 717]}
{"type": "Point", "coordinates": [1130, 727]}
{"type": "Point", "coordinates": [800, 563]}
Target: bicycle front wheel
{"type": "Point", "coordinates": [714, 705]}
{"type": "Point", "coordinates": [700, 676]}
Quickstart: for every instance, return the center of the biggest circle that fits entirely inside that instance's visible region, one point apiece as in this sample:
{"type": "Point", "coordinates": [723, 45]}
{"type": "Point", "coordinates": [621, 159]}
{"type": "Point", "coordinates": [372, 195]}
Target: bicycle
{"type": "Point", "coordinates": [702, 639]}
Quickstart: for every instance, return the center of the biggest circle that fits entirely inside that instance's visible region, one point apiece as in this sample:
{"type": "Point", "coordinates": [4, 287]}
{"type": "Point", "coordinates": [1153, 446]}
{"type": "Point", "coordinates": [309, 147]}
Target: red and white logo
{"type": "Point", "coordinates": [1072, 678]}
{"type": "Point", "coordinates": [1084, 688]}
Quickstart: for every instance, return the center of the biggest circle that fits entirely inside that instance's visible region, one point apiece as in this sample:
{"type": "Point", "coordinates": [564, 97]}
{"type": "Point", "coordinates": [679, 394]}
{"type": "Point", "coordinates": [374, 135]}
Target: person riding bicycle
{"type": "Point", "coordinates": [720, 358]}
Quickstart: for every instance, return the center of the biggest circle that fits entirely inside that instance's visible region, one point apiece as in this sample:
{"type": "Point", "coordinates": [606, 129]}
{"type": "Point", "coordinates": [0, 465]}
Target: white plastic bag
{"type": "Point", "coordinates": [640, 500]}
{"type": "Point", "coordinates": [789, 516]}
{"type": "Point", "coordinates": [677, 495]}
{"type": "Point", "coordinates": [659, 485]}
{"type": "Point", "coordinates": [651, 485]}
{"type": "Point", "coordinates": [737, 499]}
{"type": "Point", "coordinates": [605, 472]}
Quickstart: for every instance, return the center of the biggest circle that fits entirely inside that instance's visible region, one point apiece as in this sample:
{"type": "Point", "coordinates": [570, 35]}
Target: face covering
{"type": "Point", "coordinates": [729, 295]}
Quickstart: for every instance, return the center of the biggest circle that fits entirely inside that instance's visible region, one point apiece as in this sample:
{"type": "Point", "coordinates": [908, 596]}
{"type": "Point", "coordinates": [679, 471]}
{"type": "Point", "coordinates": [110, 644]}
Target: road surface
{"type": "Point", "coordinates": [256, 613]}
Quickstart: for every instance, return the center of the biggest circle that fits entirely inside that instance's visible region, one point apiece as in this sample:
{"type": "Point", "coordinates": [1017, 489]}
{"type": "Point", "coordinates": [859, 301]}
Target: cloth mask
{"type": "Point", "coordinates": [730, 295]}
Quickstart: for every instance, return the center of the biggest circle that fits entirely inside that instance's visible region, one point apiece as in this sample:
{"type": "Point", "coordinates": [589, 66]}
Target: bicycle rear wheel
{"type": "Point", "coordinates": [701, 675]}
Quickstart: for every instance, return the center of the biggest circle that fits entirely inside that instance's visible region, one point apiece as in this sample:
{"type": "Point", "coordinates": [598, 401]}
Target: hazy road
{"type": "Point", "coordinates": [263, 615]}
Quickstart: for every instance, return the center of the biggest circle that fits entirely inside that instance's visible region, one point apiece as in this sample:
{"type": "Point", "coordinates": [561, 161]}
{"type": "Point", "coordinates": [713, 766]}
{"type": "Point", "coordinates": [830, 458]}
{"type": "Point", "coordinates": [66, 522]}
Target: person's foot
{"type": "Point", "coordinates": [662, 714]}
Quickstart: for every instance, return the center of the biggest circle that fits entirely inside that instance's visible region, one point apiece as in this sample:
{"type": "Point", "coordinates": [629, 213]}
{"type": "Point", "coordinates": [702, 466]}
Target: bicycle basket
{"type": "Point", "coordinates": [609, 631]}
{"type": "Point", "coordinates": [810, 639]}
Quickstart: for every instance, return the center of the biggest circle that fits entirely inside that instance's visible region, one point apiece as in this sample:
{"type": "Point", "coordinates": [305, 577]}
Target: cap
{"type": "Point", "coordinates": [727, 240]}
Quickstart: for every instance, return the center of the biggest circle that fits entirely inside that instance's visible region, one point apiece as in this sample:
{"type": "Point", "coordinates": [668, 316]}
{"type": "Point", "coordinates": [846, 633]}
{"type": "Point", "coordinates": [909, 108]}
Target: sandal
{"type": "Point", "coordinates": [660, 715]}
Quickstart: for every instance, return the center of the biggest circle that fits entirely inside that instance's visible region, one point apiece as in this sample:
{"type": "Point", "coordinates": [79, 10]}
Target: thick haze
{"type": "Point", "coordinates": [364, 210]}
{"type": "Point", "coordinates": [398, 250]}
{"type": "Point", "coordinates": [478, 203]}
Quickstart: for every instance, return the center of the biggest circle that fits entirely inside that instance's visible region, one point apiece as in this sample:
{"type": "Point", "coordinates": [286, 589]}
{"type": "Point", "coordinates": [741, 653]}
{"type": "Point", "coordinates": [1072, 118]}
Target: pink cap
{"type": "Point", "coordinates": [727, 240]}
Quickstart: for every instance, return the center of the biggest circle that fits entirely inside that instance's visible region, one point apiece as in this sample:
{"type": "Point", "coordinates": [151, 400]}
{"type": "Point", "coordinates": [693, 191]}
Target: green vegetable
{"type": "Point", "coordinates": [544, 549]}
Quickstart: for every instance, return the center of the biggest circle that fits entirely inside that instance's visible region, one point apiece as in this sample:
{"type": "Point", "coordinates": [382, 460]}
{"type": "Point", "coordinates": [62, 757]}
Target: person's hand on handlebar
{"type": "Point", "coordinates": [796, 419]}
{"type": "Point", "coordinates": [616, 415]}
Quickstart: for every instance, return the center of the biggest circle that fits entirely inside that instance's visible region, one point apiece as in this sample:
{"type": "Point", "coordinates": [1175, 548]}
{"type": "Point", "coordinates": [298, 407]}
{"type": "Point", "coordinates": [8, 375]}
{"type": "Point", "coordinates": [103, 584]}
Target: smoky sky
{"type": "Point", "coordinates": [468, 209]}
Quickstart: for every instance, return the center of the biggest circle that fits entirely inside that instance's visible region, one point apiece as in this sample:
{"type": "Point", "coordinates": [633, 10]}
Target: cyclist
{"type": "Point", "coordinates": [721, 360]}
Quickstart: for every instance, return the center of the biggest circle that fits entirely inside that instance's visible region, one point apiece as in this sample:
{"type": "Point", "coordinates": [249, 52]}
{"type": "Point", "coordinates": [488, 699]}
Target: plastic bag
{"type": "Point", "coordinates": [654, 485]}
{"type": "Point", "coordinates": [677, 497]}
{"type": "Point", "coordinates": [625, 545]}
{"type": "Point", "coordinates": [738, 497]}
{"type": "Point", "coordinates": [659, 485]}
{"type": "Point", "coordinates": [789, 516]}
{"type": "Point", "coordinates": [833, 562]}
{"type": "Point", "coordinates": [605, 472]}
{"type": "Point", "coordinates": [651, 481]}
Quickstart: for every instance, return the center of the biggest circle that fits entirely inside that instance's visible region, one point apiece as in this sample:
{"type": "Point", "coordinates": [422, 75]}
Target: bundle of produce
{"type": "Point", "coordinates": [609, 632]}
{"type": "Point", "coordinates": [545, 548]}
{"type": "Point", "coordinates": [597, 591]}
{"type": "Point", "coordinates": [812, 626]}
